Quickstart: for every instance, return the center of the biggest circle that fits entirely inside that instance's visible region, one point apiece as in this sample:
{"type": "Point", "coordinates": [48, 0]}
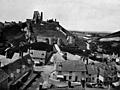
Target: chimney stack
{"type": "Point", "coordinates": [55, 20]}
{"type": "Point", "coordinates": [41, 16]}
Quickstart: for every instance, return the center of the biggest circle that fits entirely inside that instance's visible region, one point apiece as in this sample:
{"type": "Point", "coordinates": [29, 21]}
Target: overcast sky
{"type": "Point", "coordinates": [85, 15]}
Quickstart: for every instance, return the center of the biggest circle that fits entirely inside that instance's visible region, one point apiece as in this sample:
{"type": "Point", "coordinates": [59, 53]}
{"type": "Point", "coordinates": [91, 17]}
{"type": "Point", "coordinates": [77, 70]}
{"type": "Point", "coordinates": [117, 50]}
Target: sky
{"type": "Point", "coordinates": [78, 15]}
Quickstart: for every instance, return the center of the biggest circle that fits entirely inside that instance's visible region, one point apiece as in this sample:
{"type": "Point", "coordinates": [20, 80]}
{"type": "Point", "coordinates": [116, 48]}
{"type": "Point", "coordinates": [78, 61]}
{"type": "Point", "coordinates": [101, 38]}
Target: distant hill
{"type": "Point", "coordinates": [102, 34]}
{"type": "Point", "coordinates": [110, 43]}
{"type": "Point", "coordinates": [115, 34]}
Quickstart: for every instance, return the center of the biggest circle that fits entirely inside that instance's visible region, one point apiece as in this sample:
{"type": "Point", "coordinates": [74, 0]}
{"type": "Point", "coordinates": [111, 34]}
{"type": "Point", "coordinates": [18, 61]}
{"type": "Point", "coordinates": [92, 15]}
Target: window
{"type": "Point", "coordinates": [76, 78]}
{"type": "Point", "coordinates": [82, 72]}
{"type": "Point", "coordinates": [29, 61]}
{"type": "Point", "coordinates": [65, 78]}
{"type": "Point", "coordinates": [88, 79]}
{"type": "Point", "coordinates": [38, 64]}
{"type": "Point", "coordinates": [89, 74]}
{"type": "Point", "coordinates": [92, 78]}
{"type": "Point", "coordinates": [70, 77]}
{"type": "Point", "coordinates": [18, 70]}
{"type": "Point", "coordinates": [60, 65]}
{"type": "Point", "coordinates": [23, 66]}
{"type": "Point", "coordinates": [115, 78]}
{"type": "Point", "coordinates": [59, 72]}
{"type": "Point", "coordinates": [11, 77]}
{"type": "Point", "coordinates": [42, 54]}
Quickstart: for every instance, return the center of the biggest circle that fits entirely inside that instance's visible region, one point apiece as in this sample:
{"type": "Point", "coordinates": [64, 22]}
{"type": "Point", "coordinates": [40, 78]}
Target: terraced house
{"type": "Point", "coordinates": [71, 70]}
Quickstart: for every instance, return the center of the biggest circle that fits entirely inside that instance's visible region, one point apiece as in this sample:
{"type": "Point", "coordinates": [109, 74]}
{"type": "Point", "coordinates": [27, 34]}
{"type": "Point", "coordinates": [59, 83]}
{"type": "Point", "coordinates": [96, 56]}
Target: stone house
{"type": "Point", "coordinates": [17, 70]}
{"type": "Point", "coordinates": [3, 80]}
{"type": "Point", "coordinates": [91, 73]}
{"type": "Point", "coordinates": [38, 55]}
{"type": "Point", "coordinates": [107, 72]}
{"type": "Point", "coordinates": [71, 70]}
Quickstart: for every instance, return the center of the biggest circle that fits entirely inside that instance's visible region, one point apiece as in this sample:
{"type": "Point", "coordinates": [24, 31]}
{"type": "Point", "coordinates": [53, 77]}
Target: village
{"type": "Point", "coordinates": [43, 55]}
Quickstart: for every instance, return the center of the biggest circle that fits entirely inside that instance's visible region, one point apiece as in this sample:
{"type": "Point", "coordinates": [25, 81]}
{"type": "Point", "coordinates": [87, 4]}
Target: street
{"type": "Point", "coordinates": [77, 88]}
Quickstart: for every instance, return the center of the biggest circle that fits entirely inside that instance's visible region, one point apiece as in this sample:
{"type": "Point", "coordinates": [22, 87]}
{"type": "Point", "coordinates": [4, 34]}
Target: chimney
{"type": "Point", "coordinates": [55, 20]}
{"type": "Point", "coordinates": [41, 16]}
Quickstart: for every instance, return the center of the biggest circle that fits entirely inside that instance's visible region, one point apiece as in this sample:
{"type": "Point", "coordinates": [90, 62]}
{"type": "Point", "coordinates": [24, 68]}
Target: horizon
{"type": "Point", "coordinates": [78, 15]}
{"type": "Point", "coordinates": [91, 31]}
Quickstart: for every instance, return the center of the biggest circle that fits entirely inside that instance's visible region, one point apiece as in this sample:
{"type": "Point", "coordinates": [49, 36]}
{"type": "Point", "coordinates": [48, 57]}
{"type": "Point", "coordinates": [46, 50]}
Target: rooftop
{"type": "Point", "coordinates": [69, 65]}
{"type": "Point", "coordinates": [3, 75]}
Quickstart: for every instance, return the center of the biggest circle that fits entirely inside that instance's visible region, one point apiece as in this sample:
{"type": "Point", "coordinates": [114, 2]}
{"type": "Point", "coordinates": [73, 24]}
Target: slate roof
{"type": "Point", "coordinates": [3, 75]}
{"type": "Point", "coordinates": [100, 65]}
{"type": "Point", "coordinates": [11, 67]}
{"type": "Point", "coordinates": [75, 66]}
{"type": "Point", "coordinates": [41, 46]}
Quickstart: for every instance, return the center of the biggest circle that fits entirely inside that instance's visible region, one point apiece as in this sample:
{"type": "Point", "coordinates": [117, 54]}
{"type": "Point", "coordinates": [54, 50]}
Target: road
{"type": "Point", "coordinates": [44, 77]}
{"type": "Point", "coordinates": [77, 88]}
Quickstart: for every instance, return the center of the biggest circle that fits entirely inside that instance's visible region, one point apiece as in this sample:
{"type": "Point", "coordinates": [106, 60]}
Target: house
{"type": "Point", "coordinates": [107, 72]}
{"type": "Point", "coordinates": [92, 73]}
{"type": "Point", "coordinates": [17, 70]}
{"type": "Point", "coordinates": [38, 55]}
{"type": "Point", "coordinates": [71, 70]}
{"type": "Point", "coordinates": [95, 71]}
{"type": "Point", "coordinates": [56, 58]}
{"type": "Point", "coordinates": [3, 80]}
{"type": "Point", "coordinates": [102, 73]}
